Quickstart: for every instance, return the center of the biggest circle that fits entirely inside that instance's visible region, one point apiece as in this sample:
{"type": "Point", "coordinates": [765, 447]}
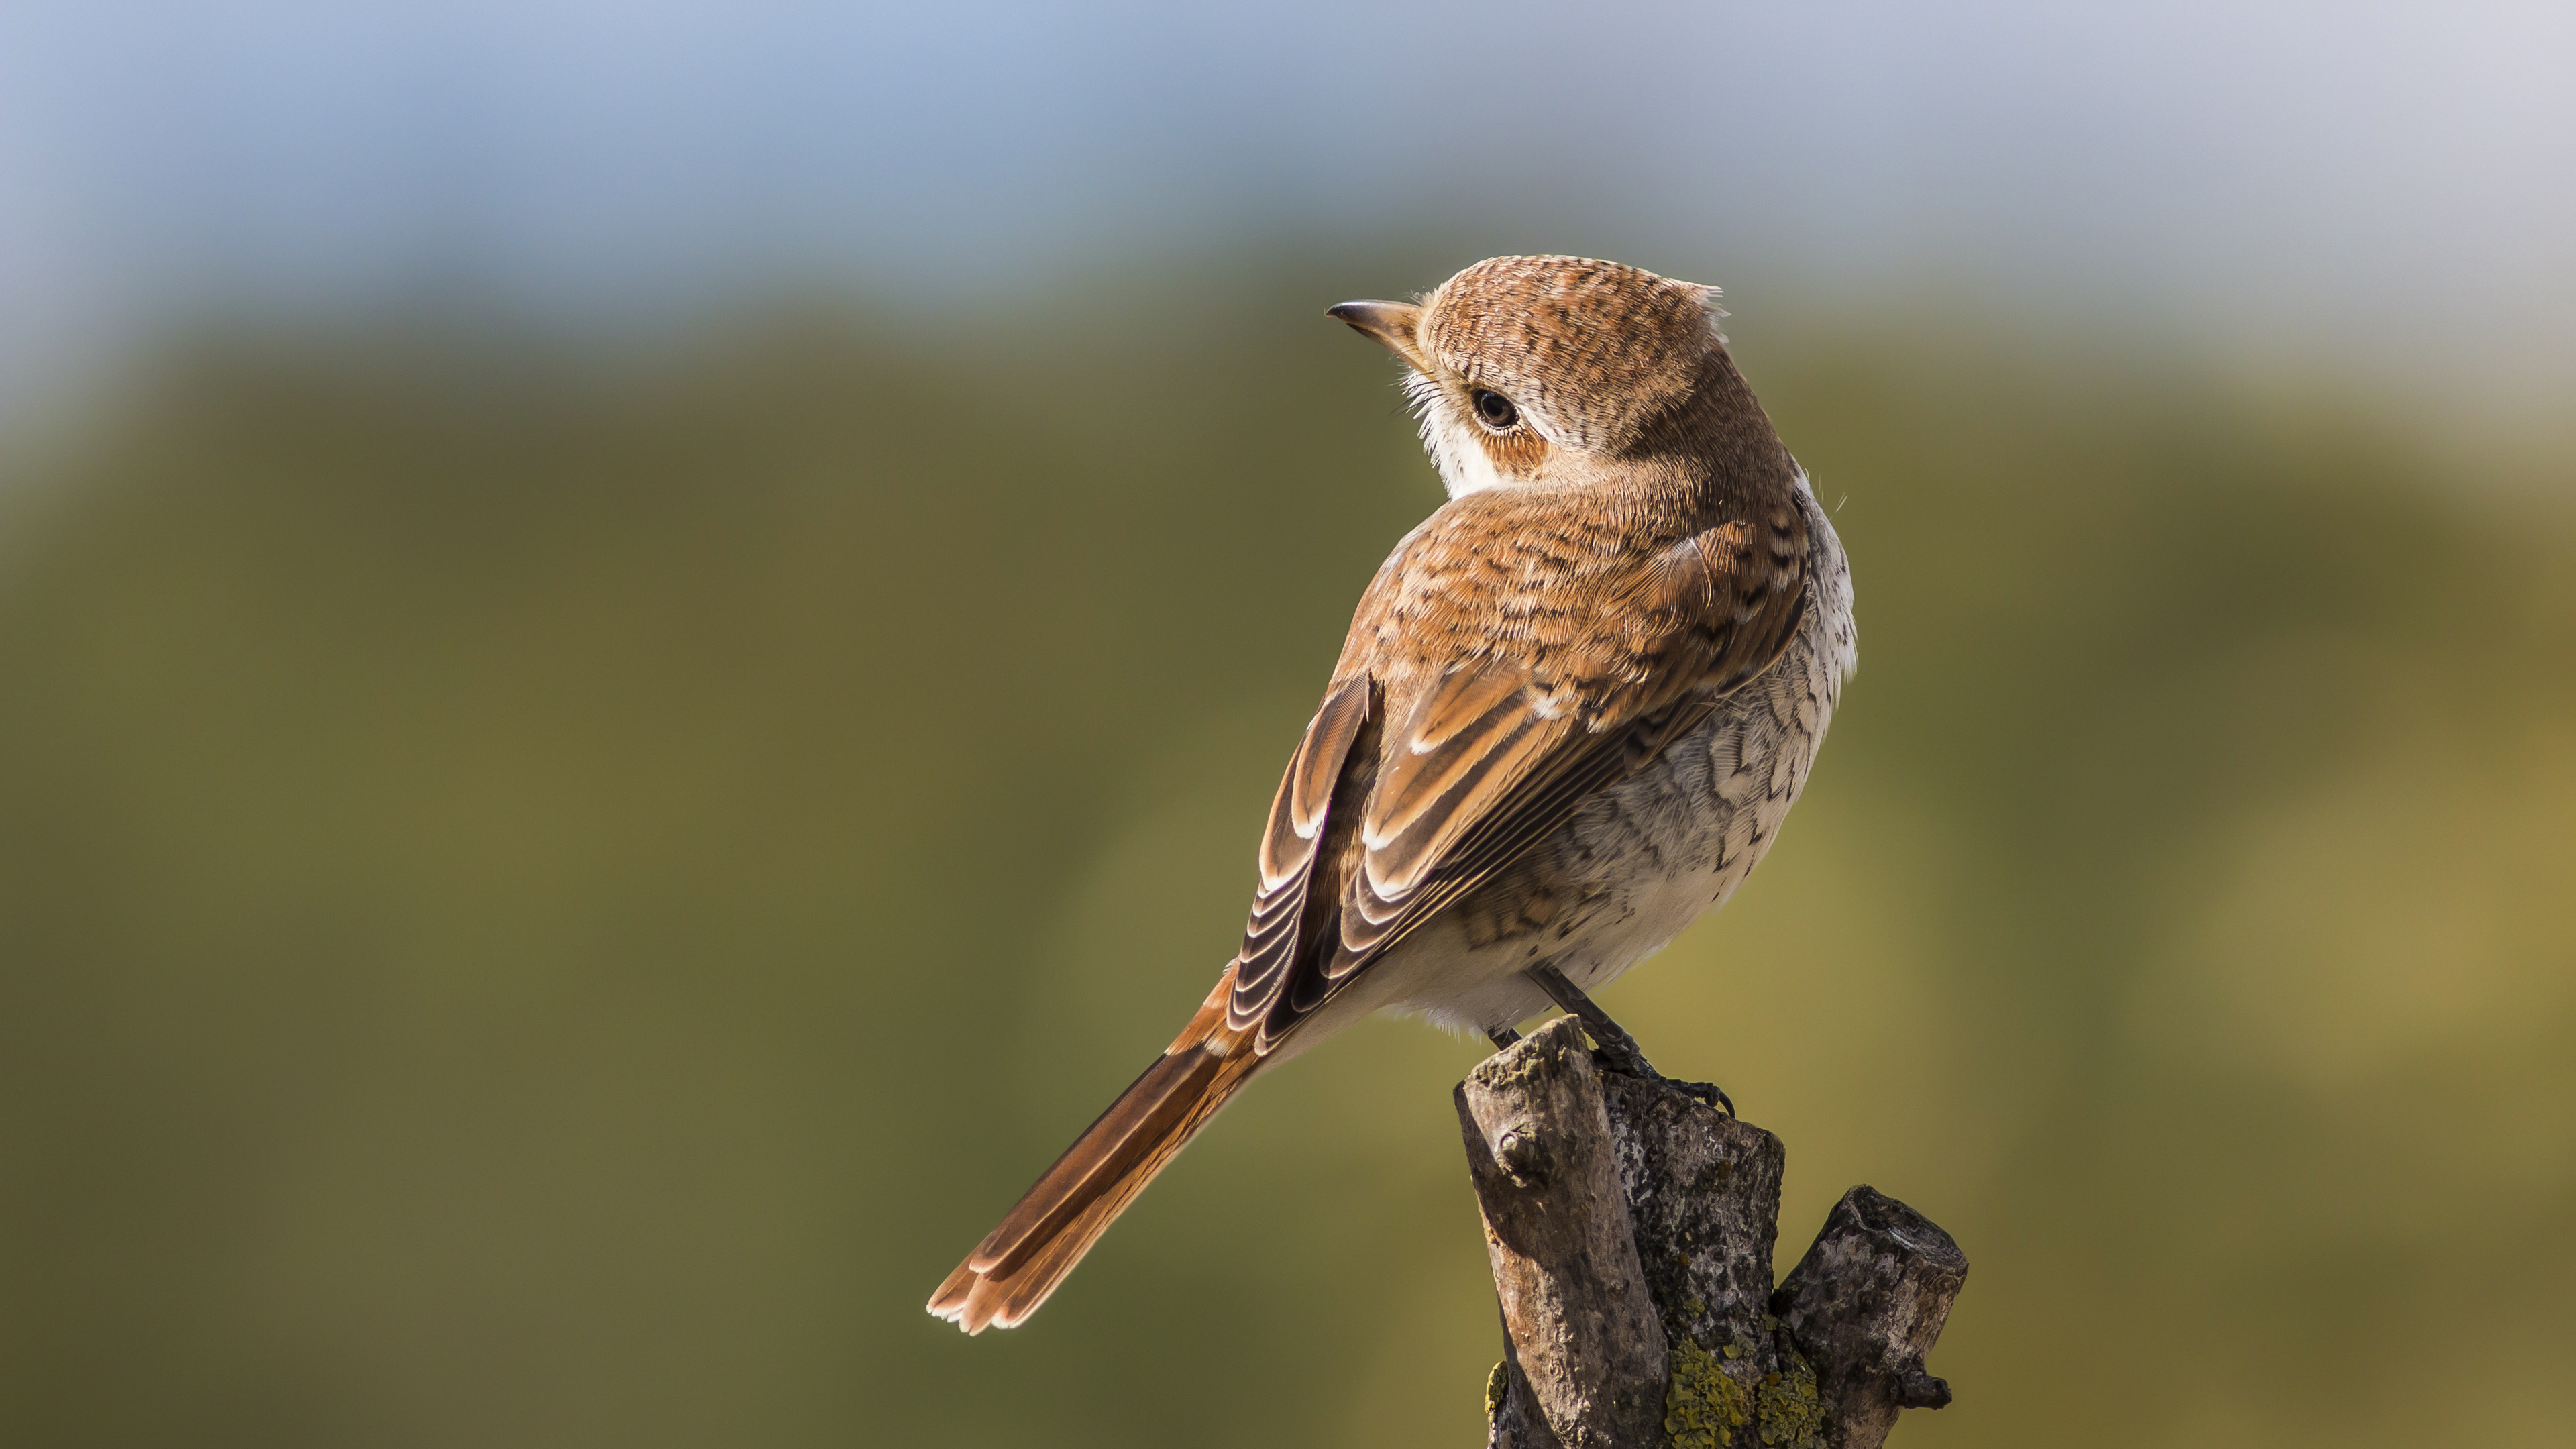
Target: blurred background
{"type": "Point", "coordinates": [640, 648]}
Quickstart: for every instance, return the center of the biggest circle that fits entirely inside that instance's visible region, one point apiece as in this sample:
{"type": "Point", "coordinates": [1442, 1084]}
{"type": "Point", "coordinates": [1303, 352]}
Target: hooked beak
{"type": "Point", "coordinates": [1388, 324]}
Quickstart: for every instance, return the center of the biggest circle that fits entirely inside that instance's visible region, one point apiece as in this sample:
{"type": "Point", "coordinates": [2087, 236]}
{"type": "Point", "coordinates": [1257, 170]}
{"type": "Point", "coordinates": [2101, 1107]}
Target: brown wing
{"type": "Point", "coordinates": [1474, 761]}
{"type": "Point", "coordinates": [1289, 849]}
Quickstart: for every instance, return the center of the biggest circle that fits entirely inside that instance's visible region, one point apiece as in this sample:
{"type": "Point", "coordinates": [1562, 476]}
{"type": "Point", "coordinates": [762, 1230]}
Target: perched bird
{"type": "Point", "coordinates": [1572, 712]}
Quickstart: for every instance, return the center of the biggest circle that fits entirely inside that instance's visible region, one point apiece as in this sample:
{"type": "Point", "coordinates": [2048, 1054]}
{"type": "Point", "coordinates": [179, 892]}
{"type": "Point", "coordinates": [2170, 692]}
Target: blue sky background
{"type": "Point", "coordinates": [2384, 188]}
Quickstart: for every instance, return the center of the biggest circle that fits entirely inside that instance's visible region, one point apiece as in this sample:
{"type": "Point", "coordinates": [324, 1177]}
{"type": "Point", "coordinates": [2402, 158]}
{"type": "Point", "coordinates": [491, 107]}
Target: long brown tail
{"type": "Point", "coordinates": [1014, 1269]}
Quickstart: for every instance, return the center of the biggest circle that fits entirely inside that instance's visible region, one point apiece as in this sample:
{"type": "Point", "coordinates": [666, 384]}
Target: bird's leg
{"type": "Point", "coordinates": [1618, 1050]}
{"type": "Point", "coordinates": [1501, 1036]}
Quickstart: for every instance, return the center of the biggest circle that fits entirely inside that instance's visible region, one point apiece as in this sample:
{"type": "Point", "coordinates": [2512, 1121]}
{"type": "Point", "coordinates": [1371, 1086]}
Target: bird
{"type": "Point", "coordinates": [1572, 712]}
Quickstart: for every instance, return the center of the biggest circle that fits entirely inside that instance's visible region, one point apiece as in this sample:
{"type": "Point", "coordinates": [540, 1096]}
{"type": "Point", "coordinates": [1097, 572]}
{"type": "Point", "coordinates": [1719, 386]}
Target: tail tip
{"type": "Point", "coordinates": [955, 1300]}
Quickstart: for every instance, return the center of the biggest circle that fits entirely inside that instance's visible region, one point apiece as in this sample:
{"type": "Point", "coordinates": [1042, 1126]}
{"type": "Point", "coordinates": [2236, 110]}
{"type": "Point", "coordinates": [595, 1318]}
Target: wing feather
{"type": "Point", "coordinates": [1482, 755]}
{"type": "Point", "coordinates": [1298, 817]}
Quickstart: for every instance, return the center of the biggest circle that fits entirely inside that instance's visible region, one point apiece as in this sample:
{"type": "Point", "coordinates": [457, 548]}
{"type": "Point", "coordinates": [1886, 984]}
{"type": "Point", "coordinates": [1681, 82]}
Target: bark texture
{"type": "Point", "coordinates": [1631, 1227]}
{"type": "Point", "coordinates": [1868, 1302]}
{"type": "Point", "coordinates": [1587, 1347]}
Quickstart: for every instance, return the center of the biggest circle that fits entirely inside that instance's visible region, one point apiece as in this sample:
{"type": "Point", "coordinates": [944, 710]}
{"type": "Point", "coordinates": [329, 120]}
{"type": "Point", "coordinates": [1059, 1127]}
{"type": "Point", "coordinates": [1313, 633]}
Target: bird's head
{"type": "Point", "coordinates": [1546, 369]}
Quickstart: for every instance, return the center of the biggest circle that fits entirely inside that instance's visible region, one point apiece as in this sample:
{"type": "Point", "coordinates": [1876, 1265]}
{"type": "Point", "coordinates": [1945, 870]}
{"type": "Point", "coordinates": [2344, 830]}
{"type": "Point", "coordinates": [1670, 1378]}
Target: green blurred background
{"type": "Point", "coordinates": [557, 868]}
{"type": "Point", "coordinates": [547, 901]}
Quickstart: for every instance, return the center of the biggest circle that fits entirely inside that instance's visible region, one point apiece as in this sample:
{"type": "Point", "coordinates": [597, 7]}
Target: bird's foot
{"type": "Point", "coordinates": [1628, 1064]}
{"type": "Point", "coordinates": [1612, 1046]}
{"type": "Point", "coordinates": [1615, 1050]}
{"type": "Point", "coordinates": [1709, 1093]}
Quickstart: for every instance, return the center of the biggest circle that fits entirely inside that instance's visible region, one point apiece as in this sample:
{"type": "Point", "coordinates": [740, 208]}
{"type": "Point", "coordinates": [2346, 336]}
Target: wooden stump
{"type": "Point", "coordinates": [1630, 1228]}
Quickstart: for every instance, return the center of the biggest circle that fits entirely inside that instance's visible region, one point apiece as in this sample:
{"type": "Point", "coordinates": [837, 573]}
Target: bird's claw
{"type": "Point", "coordinates": [1612, 1046]}
{"type": "Point", "coordinates": [1708, 1092]}
{"type": "Point", "coordinates": [1624, 1058]}
{"type": "Point", "coordinates": [1619, 1054]}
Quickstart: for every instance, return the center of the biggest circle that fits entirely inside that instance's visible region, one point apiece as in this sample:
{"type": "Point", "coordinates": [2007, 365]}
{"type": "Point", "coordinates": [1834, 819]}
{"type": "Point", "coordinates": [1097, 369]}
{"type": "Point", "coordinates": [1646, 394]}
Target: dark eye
{"type": "Point", "coordinates": [1495, 410]}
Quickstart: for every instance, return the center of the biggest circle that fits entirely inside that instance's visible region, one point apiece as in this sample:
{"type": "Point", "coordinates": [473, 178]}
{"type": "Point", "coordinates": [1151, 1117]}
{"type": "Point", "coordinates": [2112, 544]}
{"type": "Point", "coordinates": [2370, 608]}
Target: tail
{"type": "Point", "coordinates": [1015, 1268]}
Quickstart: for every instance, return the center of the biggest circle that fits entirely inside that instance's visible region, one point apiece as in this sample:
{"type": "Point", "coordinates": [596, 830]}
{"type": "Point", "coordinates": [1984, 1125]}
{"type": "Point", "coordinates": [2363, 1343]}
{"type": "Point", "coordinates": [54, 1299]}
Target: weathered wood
{"type": "Point", "coordinates": [1866, 1304]}
{"type": "Point", "coordinates": [1703, 1193]}
{"type": "Point", "coordinates": [1588, 1349]}
{"type": "Point", "coordinates": [1631, 1228]}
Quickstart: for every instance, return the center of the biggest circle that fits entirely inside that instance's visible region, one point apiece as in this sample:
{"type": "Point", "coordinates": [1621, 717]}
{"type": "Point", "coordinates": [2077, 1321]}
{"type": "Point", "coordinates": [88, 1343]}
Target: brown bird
{"type": "Point", "coordinates": [1571, 714]}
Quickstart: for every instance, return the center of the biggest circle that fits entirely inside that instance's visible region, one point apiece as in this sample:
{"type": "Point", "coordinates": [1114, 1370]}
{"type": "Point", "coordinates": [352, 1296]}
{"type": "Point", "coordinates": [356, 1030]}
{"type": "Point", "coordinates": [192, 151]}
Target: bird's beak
{"type": "Point", "coordinates": [1390, 325]}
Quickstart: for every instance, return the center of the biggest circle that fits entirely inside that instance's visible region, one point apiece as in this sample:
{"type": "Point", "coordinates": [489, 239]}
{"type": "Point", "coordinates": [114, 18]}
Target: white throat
{"type": "Point", "coordinates": [1464, 468]}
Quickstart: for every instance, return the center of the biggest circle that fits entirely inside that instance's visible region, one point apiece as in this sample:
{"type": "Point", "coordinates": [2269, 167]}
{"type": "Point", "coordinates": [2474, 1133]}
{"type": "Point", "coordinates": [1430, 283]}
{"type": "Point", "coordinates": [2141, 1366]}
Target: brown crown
{"type": "Point", "coordinates": [1595, 350]}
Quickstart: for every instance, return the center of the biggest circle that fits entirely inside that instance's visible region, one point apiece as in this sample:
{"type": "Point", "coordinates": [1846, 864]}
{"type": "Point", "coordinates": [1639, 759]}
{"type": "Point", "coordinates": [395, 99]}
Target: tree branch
{"type": "Point", "coordinates": [1630, 1228]}
{"type": "Point", "coordinates": [1867, 1302]}
{"type": "Point", "coordinates": [1588, 1350]}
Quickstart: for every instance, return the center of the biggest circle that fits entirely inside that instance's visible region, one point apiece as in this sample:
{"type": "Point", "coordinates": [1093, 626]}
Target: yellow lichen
{"type": "Point", "coordinates": [1785, 1406]}
{"type": "Point", "coordinates": [1498, 1386]}
{"type": "Point", "coordinates": [1702, 1406]}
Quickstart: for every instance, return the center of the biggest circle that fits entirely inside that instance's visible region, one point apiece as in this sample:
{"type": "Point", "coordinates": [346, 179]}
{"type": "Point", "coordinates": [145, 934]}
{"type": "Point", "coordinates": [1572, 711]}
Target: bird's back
{"type": "Point", "coordinates": [1650, 854]}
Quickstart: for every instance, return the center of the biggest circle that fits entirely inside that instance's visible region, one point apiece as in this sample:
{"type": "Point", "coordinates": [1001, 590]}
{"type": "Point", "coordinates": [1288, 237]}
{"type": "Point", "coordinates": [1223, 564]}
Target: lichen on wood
{"type": "Point", "coordinates": [1630, 1227]}
{"type": "Point", "coordinates": [1702, 1406]}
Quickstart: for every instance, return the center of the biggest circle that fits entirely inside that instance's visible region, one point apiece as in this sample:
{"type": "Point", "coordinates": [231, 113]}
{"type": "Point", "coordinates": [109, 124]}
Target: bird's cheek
{"type": "Point", "coordinates": [1519, 453]}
